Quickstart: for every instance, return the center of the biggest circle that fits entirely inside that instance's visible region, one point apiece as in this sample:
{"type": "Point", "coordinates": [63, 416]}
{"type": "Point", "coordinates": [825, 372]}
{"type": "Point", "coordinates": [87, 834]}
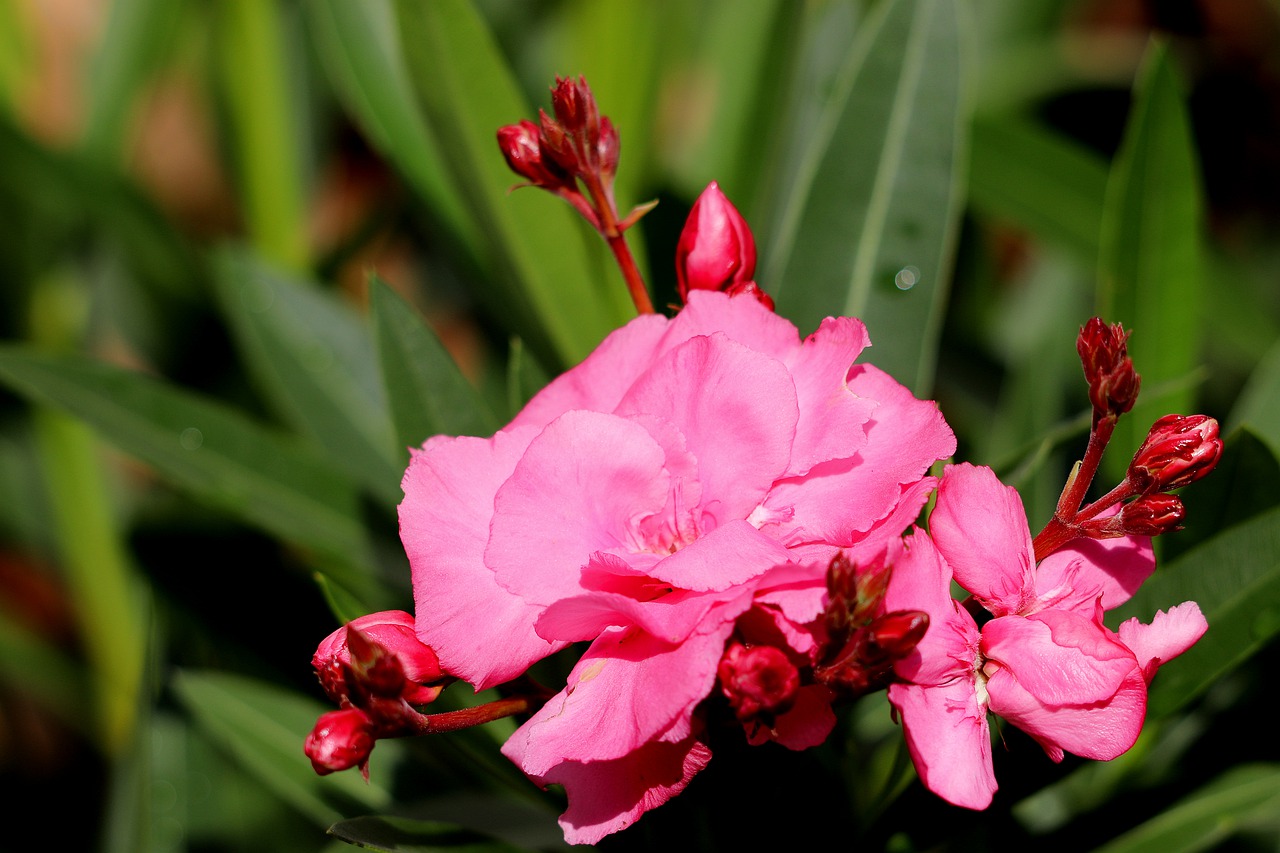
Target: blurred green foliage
{"type": "Point", "coordinates": [256, 248]}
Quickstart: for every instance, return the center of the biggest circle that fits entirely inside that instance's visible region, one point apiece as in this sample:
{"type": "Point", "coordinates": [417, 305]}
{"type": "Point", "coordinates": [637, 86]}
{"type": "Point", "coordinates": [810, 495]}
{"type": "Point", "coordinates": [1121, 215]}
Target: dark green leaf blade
{"type": "Point", "coordinates": [315, 361]}
{"type": "Point", "coordinates": [213, 452]}
{"type": "Point", "coordinates": [428, 394]}
{"type": "Point", "coordinates": [874, 234]}
{"type": "Point", "coordinates": [1150, 268]}
{"type": "Point", "coordinates": [263, 727]}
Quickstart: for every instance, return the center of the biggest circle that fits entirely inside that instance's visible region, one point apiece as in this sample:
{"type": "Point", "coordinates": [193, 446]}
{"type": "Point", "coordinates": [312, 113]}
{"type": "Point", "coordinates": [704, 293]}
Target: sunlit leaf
{"type": "Point", "coordinates": [873, 224]}
{"type": "Point", "coordinates": [550, 287]}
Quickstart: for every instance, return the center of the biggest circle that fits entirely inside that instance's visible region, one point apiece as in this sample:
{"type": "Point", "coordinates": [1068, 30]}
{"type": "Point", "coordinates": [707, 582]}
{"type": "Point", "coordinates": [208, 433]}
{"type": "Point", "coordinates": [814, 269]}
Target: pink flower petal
{"type": "Point", "coordinates": [608, 796]}
{"type": "Point", "coordinates": [444, 524]}
{"type": "Point", "coordinates": [708, 312]}
{"type": "Point", "coordinates": [1100, 730]}
{"type": "Point", "coordinates": [981, 530]}
{"type": "Point", "coordinates": [1059, 657]}
{"type": "Point", "coordinates": [737, 411]}
{"type": "Point", "coordinates": [831, 415]}
{"type": "Point", "coordinates": [807, 724]}
{"type": "Point", "coordinates": [671, 617]}
{"type": "Point", "coordinates": [601, 380]}
{"type": "Point", "coordinates": [648, 686]}
{"type": "Point", "coordinates": [949, 740]}
{"type": "Point", "coordinates": [1073, 577]}
{"type": "Point", "coordinates": [1169, 635]}
{"type": "Point", "coordinates": [949, 649]}
{"type": "Point", "coordinates": [583, 485]}
{"type": "Point", "coordinates": [732, 554]}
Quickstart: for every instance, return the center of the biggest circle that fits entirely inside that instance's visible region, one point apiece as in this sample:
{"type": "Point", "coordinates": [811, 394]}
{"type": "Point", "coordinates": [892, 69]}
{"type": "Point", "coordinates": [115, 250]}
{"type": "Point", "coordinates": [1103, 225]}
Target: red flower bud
{"type": "Point", "coordinates": [575, 106]}
{"type": "Point", "coordinates": [1178, 450]}
{"type": "Point", "coordinates": [896, 635]}
{"type": "Point", "coordinates": [1151, 515]}
{"type": "Point", "coordinates": [382, 654]}
{"type": "Point", "coordinates": [340, 740]}
{"type": "Point", "coordinates": [760, 682]}
{"type": "Point", "coordinates": [716, 250]}
{"type": "Point", "coordinates": [865, 662]}
{"type": "Point", "coordinates": [522, 149]}
{"type": "Point", "coordinates": [1104, 354]}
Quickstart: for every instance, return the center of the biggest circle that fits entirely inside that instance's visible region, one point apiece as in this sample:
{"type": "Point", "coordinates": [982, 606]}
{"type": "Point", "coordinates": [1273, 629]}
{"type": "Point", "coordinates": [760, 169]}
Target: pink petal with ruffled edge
{"type": "Point", "coordinates": [582, 486]}
{"type": "Point", "coordinates": [1073, 577]}
{"type": "Point", "coordinates": [1059, 657]}
{"type": "Point", "coordinates": [601, 380]}
{"type": "Point", "coordinates": [1169, 635]}
{"type": "Point", "coordinates": [981, 529]}
{"type": "Point", "coordinates": [831, 415]}
{"type": "Point", "coordinates": [609, 796]}
{"type": "Point", "coordinates": [949, 740]}
{"type": "Point", "coordinates": [647, 686]}
{"type": "Point", "coordinates": [1102, 730]}
{"type": "Point", "coordinates": [670, 618]}
{"type": "Point", "coordinates": [737, 411]}
{"type": "Point", "coordinates": [838, 502]}
{"type": "Point", "coordinates": [444, 524]}
{"type": "Point", "coordinates": [730, 555]}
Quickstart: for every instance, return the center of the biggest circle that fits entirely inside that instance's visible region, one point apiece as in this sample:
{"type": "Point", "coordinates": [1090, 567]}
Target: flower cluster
{"type": "Point", "coordinates": [723, 513]}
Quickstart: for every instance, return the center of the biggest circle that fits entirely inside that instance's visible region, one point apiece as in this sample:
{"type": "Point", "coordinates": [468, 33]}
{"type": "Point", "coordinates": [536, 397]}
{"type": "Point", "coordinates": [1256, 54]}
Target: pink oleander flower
{"type": "Point", "coordinates": [684, 487]}
{"type": "Point", "coordinates": [1044, 661]}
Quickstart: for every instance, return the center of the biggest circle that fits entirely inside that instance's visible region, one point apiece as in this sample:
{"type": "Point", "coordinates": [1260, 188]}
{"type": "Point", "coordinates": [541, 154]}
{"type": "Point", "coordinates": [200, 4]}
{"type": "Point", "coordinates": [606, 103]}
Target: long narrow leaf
{"type": "Point", "coordinates": [214, 452]}
{"type": "Point", "coordinates": [1235, 579]}
{"type": "Point", "coordinates": [427, 393]}
{"type": "Point", "coordinates": [548, 288]}
{"type": "Point", "coordinates": [1150, 265]}
{"type": "Point", "coordinates": [362, 53]}
{"type": "Point", "coordinates": [263, 726]}
{"type": "Point", "coordinates": [1208, 817]}
{"type": "Point", "coordinates": [1024, 173]}
{"type": "Point", "coordinates": [875, 233]}
{"type": "Point", "coordinates": [314, 359]}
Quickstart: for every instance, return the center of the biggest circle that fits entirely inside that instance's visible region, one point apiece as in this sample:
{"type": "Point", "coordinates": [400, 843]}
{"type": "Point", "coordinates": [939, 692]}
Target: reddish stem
{"type": "Point", "coordinates": [618, 244]}
{"type": "Point", "coordinates": [452, 721]}
{"type": "Point", "coordinates": [1064, 526]}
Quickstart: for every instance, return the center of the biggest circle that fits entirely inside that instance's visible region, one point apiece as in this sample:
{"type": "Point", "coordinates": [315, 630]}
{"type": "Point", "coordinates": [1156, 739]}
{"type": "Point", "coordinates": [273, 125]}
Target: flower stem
{"type": "Point", "coordinates": [612, 234]}
{"type": "Point", "coordinates": [452, 721]}
{"type": "Point", "coordinates": [1064, 526]}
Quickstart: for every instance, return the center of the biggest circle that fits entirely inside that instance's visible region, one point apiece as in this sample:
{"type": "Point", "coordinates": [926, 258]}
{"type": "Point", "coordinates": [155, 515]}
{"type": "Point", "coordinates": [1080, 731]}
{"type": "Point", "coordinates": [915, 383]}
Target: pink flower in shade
{"type": "Point", "coordinates": [688, 483]}
{"type": "Point", "coordinates": [1045, 662]}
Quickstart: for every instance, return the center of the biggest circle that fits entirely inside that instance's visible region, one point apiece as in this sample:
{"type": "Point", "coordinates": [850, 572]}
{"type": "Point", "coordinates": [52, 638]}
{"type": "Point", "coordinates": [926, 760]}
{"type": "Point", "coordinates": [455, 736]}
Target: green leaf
{"type": "Point", "coordinates": [873, 222]}
{"type": "Point", "coordinates": [1150, 266]}
{"type": "Point", "coordinates": [314, 359]}
{"type": "Point", "coordinates": [1235, 578]}
{"type": "Point", "coordinates": [215, 453]}
{"type": "Point", "coordinates": [362, 53]}
{"type": "Point", "coordinates": [1258, 405]}
{"type": "Point", "coordinates": [30, 664]}
{"type": "Point", "coordinates": [428, 393]}
{"type": "Point", "coordinates": [546, 285]}
{"type": "Point", "coordinates": [263, 727]}
{"type": "Point", "coordinates": [1024, 173]}
{"type": "Point", "coordinates": [1233, 801]}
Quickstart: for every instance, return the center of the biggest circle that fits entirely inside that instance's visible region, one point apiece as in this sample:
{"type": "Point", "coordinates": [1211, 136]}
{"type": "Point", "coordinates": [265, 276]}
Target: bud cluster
{"type": "Point", "coordinates": [1178, 450]}
{"type": "Point", "coordinates": [376, 670]}
{"type": "Point", "coordinates": [863, 642]}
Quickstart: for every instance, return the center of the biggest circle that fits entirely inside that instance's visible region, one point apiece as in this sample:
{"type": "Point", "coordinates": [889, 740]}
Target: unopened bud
{"type": "Point", "coordinates": [1104, 355]}
{"type": "Point", "coordinates": [1178, 450]}
{"type": "Point", "coordinates": [522, 149]}
{"type": "Point", "coordinates": [382, 653]}
{"type": "Point", "coordinates": [896, 635]}
{"type": "Point", "coordinates": [865, 662]}
{"type": "Point", "coordinates": [760, 682]}
{"type": "Point", "coordinates": [340, 740]}
{"type": "Point", "coordinates": [1151, 515]}
{"type": "Point", "coordinates": [716, 250]}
